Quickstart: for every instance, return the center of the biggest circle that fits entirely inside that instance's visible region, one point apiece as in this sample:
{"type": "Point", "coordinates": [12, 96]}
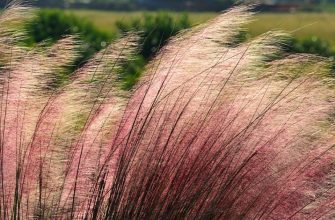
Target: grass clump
{"type": "Point", "coordinates": [211, 130]}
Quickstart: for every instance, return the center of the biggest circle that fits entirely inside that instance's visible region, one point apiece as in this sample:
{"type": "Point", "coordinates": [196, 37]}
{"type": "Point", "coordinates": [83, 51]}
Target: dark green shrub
{"type": "Point", "coordinates": [51, 25]}
{"type": "Point", "coordinates": [131, 71]}
{"type": "Point", "coordinates": [156, 30]}
{"type": "Point", "coordinates": [313, 45]}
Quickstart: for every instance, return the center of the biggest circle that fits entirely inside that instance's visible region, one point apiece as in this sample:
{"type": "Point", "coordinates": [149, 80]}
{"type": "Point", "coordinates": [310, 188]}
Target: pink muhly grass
{"type": "Point", "coordinates": [213, 130]}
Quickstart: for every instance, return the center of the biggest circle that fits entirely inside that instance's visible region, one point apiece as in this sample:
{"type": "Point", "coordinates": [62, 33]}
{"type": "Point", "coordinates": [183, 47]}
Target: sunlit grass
{"type": "Point", "coordinates": [212, 130]}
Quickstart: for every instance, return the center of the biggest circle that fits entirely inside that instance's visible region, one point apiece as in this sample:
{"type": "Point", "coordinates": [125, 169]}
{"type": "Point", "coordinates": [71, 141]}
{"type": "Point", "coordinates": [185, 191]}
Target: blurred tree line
{"type": "Point", "coordinates": [195, 5]}
{"type": "Point", "coordinates": [177, 5]}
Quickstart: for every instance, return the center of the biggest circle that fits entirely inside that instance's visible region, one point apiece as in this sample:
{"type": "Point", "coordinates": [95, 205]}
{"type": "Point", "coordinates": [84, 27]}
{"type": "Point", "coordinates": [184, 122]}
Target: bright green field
{"type": "Point", "coordinates": [106, 20]}
{"type": "Point", "coordinates": [301, 25]}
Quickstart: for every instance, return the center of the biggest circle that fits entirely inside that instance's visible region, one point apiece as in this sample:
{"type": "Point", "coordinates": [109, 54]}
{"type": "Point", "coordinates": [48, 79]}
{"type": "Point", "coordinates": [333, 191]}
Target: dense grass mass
{"type": "Point", "coordinates": [302, 25]}
{"type": "Point", "coordinates": [213, 129]}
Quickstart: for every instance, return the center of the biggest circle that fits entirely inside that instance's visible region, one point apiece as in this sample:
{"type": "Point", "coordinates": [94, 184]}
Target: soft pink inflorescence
{"type": "Point", "coordinates": [213, 130]}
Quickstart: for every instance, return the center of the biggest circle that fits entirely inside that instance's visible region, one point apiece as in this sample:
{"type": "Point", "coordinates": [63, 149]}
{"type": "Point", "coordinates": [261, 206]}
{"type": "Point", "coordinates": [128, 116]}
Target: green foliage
{"type": "Point", "coordinates": [131, 71]}
{"type": "Point", "coordinates": [156, 30]}
{"type": "Point", "coordinates": [51, 25]}
{"type": "Point", "coordinates": [313, 45]}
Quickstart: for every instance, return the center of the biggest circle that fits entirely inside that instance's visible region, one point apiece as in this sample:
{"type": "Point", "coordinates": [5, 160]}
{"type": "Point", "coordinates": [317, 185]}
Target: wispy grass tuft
{"type": "Point", "coordinates": [213, 130]}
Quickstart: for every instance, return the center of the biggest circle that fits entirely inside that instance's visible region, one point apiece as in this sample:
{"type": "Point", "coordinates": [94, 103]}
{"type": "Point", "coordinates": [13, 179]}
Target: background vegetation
{"type": "Point", "coordinates": [51, 25]}
{"type": "Point", "coordinates": [190, 5]}
{"type": "Point", "coordinates": [312, 32]}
